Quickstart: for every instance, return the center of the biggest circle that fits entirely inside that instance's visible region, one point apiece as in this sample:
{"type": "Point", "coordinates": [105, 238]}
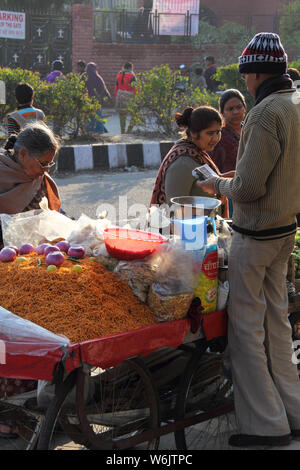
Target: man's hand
{"type": "Point", "coordinates": [208, 185]}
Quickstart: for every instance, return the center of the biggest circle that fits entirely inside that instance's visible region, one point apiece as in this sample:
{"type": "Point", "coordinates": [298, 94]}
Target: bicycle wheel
{"type": "Point", "coordinates": [28, 427]}
{"type": "Point", "coordinates": [60, 430]}
{"type": "Point", "coordinates": [123, 405]}
{"type": "Point", "coordinates": [205, 395]}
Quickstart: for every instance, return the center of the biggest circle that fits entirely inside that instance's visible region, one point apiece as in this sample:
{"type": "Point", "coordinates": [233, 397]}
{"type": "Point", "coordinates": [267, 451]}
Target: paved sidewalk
{"type": "Point", "coordinates": [125, 152]}
{"type": "Point", "coordinates": [113, 123]}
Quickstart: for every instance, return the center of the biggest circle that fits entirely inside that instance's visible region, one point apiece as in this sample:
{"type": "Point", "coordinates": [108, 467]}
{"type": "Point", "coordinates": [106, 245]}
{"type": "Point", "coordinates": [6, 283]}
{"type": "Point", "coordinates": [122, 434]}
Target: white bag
{"type": "Point", "coordinates": [33, 226]}
{"type": "Point", "coordinates": [223, 293]}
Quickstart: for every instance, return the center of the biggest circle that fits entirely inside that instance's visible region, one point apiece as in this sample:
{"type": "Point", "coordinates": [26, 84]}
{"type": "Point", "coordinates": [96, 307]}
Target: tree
{"type": "Point", "coordinates": [289, 28]}
{"type": "Point", "coordinates": [159, 97]}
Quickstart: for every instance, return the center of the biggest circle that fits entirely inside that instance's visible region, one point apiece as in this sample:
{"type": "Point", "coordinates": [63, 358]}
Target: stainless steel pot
{"type": "Point", "coordinates": [185, 207]}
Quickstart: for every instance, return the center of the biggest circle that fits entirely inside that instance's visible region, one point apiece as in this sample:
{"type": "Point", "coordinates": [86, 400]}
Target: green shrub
{"type": "Point", "coordinates": [66, 102]}
{"type": "Point", "coordinates": [230, 77]}
{"type": "Point", "coordinates": [289, 28]}
{"type": "Point", "coordinates": [295, 64]}
{"type": "Point", "coordinates": [158, 99]}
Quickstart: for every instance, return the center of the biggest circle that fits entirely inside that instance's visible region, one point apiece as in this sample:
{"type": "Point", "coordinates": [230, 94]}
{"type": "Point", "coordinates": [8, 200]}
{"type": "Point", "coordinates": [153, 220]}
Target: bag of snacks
{"type": "Point", "coordinates": [205, 269]}
{"type": "Point", "coordinates": [172, 292]}
{"type": "Point", "coordinates": [139, 274]}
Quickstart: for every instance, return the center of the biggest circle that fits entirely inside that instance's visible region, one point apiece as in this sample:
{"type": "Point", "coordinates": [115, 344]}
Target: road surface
{"type": "Point", "coordinates": [85, 192]}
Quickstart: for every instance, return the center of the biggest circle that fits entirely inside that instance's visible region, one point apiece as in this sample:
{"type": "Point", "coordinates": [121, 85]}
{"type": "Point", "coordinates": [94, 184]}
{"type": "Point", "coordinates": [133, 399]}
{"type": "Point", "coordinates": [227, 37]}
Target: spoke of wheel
{"type": "Point", "coordinates": [124, 405]}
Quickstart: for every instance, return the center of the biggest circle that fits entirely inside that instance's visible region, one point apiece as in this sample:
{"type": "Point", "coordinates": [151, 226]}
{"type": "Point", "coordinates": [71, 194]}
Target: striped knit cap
{"type": "Point", "coordinates": [264, 54]}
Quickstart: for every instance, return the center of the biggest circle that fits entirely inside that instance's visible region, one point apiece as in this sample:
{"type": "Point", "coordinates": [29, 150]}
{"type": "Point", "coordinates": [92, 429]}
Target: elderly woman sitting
{"type": "Point", "coordinates": [24, 166]}
{"type": "Point", "coordinates": [24, 181]}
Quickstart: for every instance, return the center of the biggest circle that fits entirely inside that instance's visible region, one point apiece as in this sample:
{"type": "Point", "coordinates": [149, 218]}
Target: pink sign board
{"type": "Point", "coordinates": [172, 16]}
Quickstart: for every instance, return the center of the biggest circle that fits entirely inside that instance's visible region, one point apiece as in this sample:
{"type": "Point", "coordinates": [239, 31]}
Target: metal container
{"type": "Point", "coordinates": [186, 207]}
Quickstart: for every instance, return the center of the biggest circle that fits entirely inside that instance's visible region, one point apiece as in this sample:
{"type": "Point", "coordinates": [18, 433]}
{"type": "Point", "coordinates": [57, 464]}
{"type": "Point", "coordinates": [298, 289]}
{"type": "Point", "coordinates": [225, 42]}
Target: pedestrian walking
{"type": "Point", "coordinates": [266, 198]}
{"type": "Point", "coordinates": [197, 79]}
{"type": "Point", "coordinates": [96, 89]}
{"type": "Point", "coordinates": [81, 66]}
{"type": "Point", "coordinates": [209, 73]}
{"type": "Point", "coordinates": [56, 74]}
{"type": "Point", "coordinates": [124, 92]}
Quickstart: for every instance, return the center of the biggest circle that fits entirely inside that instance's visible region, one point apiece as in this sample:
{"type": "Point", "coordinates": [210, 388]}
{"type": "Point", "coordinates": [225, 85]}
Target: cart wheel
{"type": "Point", "coordinates": [206, 395]}
{"type": "Point", "coordinates": [28, 423]}
{"type": "Point", "coordinates": [57, 428]}
{"type": "Point", "coordinates": [123, 405]}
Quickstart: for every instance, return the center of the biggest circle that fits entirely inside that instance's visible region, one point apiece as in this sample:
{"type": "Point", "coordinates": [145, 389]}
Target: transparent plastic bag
{"type": "Point", "coordinates": [88, 233]}
{"type": "Point", "coordinates": [35, 226]}
{"type": "Point", "coordinates": [23, 337]}
{"type": "Point", "coordinates": [139, 274]}
{"type": "Point", "coordinates": [224, 236]}
{"type": "Point", "coordinates": [172, 292]}
{"type": "Point", "coordinates": [103, 257]}
{"type": "Point", "coordinates": [223, 293]}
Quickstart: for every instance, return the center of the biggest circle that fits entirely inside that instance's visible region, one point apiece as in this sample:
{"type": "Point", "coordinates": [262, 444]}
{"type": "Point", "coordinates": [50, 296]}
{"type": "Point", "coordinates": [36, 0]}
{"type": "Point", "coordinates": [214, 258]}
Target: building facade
{"type": "Point", "coordinates": [260, 14]}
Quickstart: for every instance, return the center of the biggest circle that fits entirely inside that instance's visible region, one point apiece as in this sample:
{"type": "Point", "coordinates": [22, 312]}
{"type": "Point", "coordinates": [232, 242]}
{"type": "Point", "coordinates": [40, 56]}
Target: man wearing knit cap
{"type": "Point", "coordinates": [266, 198]}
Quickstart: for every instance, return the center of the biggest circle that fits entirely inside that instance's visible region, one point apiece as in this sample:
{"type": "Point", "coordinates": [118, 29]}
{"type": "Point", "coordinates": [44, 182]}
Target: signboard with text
{"type": "Point", "coordinates": [172, 16]}
{"type": "Point", "coordinates": [12, 25]}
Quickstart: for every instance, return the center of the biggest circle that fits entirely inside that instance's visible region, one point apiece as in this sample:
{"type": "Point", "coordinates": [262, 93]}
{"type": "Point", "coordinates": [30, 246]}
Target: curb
{"type": "Point", "coordinates": [110, 156]}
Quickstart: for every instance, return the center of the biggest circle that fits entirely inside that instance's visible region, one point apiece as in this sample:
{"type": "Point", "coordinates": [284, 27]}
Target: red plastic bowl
{"type": "Point", "coordinates": [128, 244]}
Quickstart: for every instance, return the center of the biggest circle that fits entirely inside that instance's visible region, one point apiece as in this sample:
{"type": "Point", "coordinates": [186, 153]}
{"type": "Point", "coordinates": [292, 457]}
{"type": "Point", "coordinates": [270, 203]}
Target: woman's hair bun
{"type": "Point", "coordinates": [184, 119]}
{"type": "Point", "coordinates": [10, 143]}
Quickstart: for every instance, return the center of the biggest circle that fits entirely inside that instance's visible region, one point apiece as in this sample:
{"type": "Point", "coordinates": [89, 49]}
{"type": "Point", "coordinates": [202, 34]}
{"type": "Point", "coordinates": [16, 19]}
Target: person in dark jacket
{"type": "Point", "coordinates": [96, 89]}
{"type": "Point", "coordinates": [210, 71]}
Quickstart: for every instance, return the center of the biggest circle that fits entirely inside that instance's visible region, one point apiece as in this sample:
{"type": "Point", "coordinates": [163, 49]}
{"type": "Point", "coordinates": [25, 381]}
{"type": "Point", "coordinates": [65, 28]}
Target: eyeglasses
{"type": "Point", "coordinates": [46, 167]}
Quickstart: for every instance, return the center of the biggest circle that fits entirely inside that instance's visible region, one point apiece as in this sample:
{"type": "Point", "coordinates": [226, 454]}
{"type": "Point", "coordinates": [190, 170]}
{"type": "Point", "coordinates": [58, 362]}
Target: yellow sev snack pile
{"type": "Point", "coordinates": [81, 306]}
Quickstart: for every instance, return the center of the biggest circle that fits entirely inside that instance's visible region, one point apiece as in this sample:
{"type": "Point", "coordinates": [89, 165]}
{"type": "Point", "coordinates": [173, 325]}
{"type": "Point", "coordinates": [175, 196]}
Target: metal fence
{"type": "Point", "coordinates": [133, 26]}
{"type": "Point", "coordinates": [126, 25]}
{"type": "Point", "coordinates": [120, 4]}
{"type": "Point", "coordinates": [48, 38]}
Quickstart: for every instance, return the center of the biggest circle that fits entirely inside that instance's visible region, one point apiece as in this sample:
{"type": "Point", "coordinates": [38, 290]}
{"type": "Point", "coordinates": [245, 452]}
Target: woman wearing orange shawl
{"type": "Point", "coordinates": [202, 127]}
{"type": "Point", "coordinates": [24, 181]}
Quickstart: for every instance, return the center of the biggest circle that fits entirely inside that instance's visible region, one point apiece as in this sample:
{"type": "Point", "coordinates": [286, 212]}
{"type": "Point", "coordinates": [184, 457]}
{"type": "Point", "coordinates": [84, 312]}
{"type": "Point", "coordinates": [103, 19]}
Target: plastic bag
{"type": "Point", "coordinates": [205, 269]}
{"type": "Point", "coordinates": [139, 274]}
{"type": "Point", "coordinates": [103, 257]}
{"type": "Point", "coordinates": [223, 293]}
{"type": "Point", "coordinates": [224, 236]}
{"type": "Point", "coordinates": [88, 233]}
{"type": "Point", "coordinates": [35, 226]}
{"type": "Point", "coordinates": [172, 292]}
{"type": "Point", "coordinates": [23, 337]}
